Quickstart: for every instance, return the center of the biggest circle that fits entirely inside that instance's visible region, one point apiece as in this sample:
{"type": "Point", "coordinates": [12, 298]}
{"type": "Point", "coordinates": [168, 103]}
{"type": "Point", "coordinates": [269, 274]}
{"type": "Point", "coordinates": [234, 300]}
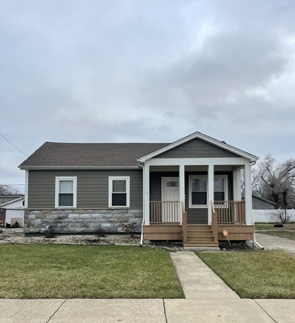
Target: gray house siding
{"type": "Point", "coordinates": [92, 188]}
{"type": "Point", "coordinates": [196, 148]}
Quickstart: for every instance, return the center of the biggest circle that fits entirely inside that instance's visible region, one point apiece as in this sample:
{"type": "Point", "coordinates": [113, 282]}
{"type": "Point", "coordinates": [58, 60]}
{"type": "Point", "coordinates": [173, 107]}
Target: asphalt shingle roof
{"type": "Point", "coordinates": [55, 154]}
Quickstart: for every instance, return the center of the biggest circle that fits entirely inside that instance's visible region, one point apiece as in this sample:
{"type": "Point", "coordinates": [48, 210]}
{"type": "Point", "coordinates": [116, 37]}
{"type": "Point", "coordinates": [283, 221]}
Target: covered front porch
{"type": "Point", "coordinates": [194, 200]}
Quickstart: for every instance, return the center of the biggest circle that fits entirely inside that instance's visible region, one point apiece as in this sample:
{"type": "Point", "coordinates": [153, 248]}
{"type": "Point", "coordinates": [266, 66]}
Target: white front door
{"type": "Point", "coordinates": [170, 199]}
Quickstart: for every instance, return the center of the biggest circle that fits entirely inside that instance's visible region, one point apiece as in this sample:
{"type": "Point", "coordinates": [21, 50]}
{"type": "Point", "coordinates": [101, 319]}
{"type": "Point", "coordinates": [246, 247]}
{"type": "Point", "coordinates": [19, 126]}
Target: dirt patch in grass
{"type": "Point", "coordinates": [255, 274]}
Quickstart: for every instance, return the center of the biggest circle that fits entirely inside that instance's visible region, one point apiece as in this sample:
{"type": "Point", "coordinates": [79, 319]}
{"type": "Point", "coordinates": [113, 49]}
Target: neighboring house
{"type": "Point", "coordinates": [259, 203]}
{"type": "Point", "coordinates": [7, 198]}
{"type": "Point", "coordinates": [187, 190]}
{"type": "Point", "coordinates": [13, 211]}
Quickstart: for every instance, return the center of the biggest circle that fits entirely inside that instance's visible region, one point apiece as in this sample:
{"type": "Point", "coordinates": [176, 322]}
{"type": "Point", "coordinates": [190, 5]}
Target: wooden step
{"type": "Point", "coordinates": [200, 235]}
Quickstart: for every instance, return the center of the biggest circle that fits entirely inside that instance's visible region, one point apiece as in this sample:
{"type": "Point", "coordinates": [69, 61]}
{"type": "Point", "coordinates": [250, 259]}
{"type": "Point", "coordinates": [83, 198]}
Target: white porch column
{"type": "Point", "coordinates": [146, 193]}
{"type": "Point", "coordinates": [248, 194]}
{"type": "Point", "coordinates": [237, 185]}
{"type": "Point", "coordinates": [181, 189]}
{"type": "Point", "coordinates": [210, 191]}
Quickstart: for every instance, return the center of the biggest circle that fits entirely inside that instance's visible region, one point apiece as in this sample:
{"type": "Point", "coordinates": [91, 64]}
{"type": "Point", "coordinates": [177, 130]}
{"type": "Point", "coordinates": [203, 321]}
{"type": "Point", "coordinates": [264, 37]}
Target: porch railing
{"type": "Point", "coordinates": [230, 211]}
{"type": "Point", "coordinates": [164, 211]}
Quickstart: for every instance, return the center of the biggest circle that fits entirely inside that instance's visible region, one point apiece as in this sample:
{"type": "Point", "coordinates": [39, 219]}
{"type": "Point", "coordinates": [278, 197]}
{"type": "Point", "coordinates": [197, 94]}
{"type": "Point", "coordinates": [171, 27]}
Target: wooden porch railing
{"type": "Point", "coordinates": [230, 211]}
{"type": "Point", "coordinates": [214, 223]}
{"type": "Point", "coordinates": [164, 211]}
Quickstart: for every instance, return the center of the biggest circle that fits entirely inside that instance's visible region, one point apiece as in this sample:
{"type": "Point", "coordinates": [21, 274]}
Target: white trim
{"type": "Point", "coordinates": [65, 178]}
{"type": "Point", "coordinates": [210, 191]}
{"type": "Point", "coordinates": [201, 136]}
{"type": "Point", "coordinates": [181, 190]}
{"type": "Point", "coordinates": [248, 195]}
{"type": "Point", "coordinates": [146, 194]}
{"type": "Point", "coordinates": [119, 178]}
{"type": "Point", "coordinates": [237, 194]}
{"type": "Point", "coordinates": [197, 161]}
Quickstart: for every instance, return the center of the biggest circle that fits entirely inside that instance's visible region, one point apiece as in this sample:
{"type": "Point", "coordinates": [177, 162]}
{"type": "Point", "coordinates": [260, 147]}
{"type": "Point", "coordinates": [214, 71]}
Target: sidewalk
{"type": "Point", "coordinates": [208, 299]}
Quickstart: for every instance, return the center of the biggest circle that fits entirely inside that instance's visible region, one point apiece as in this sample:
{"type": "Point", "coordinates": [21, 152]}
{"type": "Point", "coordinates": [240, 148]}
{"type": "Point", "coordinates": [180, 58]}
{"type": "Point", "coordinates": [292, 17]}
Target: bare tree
{"type": "Point", "coordinates": [275, 182]}
{"type": "Point", "coordinates": [8, 190]}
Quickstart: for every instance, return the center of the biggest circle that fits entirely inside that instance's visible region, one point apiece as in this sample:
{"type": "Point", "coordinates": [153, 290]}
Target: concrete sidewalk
{"type": "Point", "coordinates": [208, 299]}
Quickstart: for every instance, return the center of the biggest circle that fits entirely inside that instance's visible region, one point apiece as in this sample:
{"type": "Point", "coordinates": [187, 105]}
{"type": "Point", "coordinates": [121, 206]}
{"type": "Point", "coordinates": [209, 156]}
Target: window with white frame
{"type": "Point", "coordinates": [66, 191]}
{"type": "Point", "coordinates": [220, 188]}
{"type": "Point", "coordinates": [119, 191]}
{"type": "Point", "coordinates": [198, 189]}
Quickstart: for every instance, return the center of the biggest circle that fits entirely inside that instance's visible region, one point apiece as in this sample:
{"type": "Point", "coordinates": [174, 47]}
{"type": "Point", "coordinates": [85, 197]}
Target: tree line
{"type": "Point", "coordinates": [275, 181]}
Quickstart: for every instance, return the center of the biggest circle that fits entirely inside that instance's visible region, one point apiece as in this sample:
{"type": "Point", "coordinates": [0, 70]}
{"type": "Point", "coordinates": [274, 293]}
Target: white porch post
{"type": "Point", "coordinates": [237, 185]}
{"type": "Point", "coordinates": [210, 191]}
{"type": "Point", "coordinates": [146, 193]}
{"type": "Point", "coordinates": [181, 189]}
{"type": "Point", "coordinates": [248, 194]}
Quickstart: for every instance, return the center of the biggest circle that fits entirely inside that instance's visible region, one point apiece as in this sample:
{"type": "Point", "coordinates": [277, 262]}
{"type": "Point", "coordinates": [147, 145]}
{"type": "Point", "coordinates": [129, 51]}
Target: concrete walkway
{"type": "Point", "coordinates": [208, 299]}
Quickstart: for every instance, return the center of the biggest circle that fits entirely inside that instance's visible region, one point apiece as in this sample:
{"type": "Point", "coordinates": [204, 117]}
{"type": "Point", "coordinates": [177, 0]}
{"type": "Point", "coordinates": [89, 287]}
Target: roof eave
{"type": "Point", "coordinates": [78, 167]}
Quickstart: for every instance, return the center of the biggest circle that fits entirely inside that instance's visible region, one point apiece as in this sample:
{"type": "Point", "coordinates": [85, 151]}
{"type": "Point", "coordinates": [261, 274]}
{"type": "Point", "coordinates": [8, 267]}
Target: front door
{"type": "Point", "coordinates": [170, 199]}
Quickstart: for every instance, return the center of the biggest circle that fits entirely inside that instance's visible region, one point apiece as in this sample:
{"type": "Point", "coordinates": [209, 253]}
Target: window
{"type": "Point", "coordinates": [66, 192]}
{"type": "Point", "coordinates": [198, 190]}
{"type": "Point", "coordinates": [219, 188]}
{"type": "Point", "coordinates": [198, 187]}
{"type": "Point", "coordinates": [119, 188]}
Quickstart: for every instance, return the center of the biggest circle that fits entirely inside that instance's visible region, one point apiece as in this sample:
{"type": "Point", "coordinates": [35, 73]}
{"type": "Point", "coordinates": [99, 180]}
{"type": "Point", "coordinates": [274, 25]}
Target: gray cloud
{"type": "Point", "coordinates": [146, 71]}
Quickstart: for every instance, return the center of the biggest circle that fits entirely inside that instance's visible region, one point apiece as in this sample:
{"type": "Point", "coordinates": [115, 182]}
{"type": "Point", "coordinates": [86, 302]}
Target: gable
{"type": "Point", "coordinates": [197, 148]}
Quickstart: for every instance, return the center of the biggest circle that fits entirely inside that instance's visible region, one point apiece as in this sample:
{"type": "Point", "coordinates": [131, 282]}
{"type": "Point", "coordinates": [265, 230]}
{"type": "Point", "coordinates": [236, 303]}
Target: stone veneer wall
{"type": "Point", "coordinates": [82, 221]}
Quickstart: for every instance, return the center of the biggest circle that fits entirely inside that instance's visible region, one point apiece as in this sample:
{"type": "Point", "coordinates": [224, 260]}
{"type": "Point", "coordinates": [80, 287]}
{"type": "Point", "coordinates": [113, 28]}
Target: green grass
{"type": "Point", "coordinates": [255, 274]}
{"type": "Point", "coordinates": [60, 271]}
{"type": "Point", "coordinates": [288, 230]}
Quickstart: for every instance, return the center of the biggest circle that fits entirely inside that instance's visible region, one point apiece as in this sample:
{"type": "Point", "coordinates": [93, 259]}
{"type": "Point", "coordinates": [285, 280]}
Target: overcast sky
{"type": "Point", "coordinates": [152, 71]}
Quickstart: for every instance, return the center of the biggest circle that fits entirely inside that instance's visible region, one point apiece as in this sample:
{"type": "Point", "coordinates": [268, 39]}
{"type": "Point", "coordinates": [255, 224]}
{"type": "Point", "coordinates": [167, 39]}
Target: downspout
{"type": "Point", "coordinates": [255, 242]}
{"type": "Point", "coordinates": [142, 223]}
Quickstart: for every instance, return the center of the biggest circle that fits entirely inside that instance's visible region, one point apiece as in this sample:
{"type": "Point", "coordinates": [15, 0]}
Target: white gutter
{"type": "Point", "coordinates": [257, 243]}
{"type": "Point", "coordinates": [141, 234]}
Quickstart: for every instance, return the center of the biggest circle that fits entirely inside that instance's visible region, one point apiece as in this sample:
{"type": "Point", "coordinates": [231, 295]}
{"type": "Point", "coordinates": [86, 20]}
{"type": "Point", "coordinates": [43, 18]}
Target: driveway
{"type": "Point", "coordinates": [273, 242]}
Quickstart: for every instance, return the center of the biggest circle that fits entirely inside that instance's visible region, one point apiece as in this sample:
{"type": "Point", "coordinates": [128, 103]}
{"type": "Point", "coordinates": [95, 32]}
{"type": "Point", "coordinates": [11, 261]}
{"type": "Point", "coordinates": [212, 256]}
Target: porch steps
{"type": "Point", "coordinates": [200, 235]}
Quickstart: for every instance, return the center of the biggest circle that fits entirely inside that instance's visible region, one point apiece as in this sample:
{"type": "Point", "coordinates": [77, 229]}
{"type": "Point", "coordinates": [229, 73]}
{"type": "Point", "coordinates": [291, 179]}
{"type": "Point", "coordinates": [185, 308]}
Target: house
{"type": "Point", "coordinates": [12, 211]}
{"type": "Point", "coordinates": [259, 203]}
{"type": "Point", "coordinates": [187, 190]}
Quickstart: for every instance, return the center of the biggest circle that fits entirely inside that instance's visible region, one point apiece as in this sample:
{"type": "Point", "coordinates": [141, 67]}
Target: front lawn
{"type": "Point", "coordinates": [255, 274]}
{"type": "Point", "coordinates": [61, 271]}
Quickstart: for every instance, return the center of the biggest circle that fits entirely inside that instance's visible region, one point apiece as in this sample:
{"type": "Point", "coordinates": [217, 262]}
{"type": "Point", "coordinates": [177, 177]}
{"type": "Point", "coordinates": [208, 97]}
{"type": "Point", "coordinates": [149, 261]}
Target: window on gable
{"type": "Point", "coordinates": [119, 191]}
{"type": "Point", "coordinates": [65, 192]}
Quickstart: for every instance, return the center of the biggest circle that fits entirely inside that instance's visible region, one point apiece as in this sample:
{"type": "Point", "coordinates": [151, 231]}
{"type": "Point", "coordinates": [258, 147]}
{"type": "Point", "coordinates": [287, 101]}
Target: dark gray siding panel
{"type": "Point", "coordinates": [197, 216]}
{"type": "Point", "coordinates": [197, 148]}
{"type": "Point", "coordinates": [92, 188]}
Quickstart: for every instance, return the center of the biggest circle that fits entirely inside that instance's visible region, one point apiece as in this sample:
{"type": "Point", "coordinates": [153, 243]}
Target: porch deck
{"type": "Point", "coordinates": [226, 215]}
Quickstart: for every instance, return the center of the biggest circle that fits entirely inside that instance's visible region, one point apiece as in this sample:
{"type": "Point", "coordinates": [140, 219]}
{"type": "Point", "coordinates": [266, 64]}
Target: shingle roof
{"type": "Point", "coordinates": [55, 154]}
